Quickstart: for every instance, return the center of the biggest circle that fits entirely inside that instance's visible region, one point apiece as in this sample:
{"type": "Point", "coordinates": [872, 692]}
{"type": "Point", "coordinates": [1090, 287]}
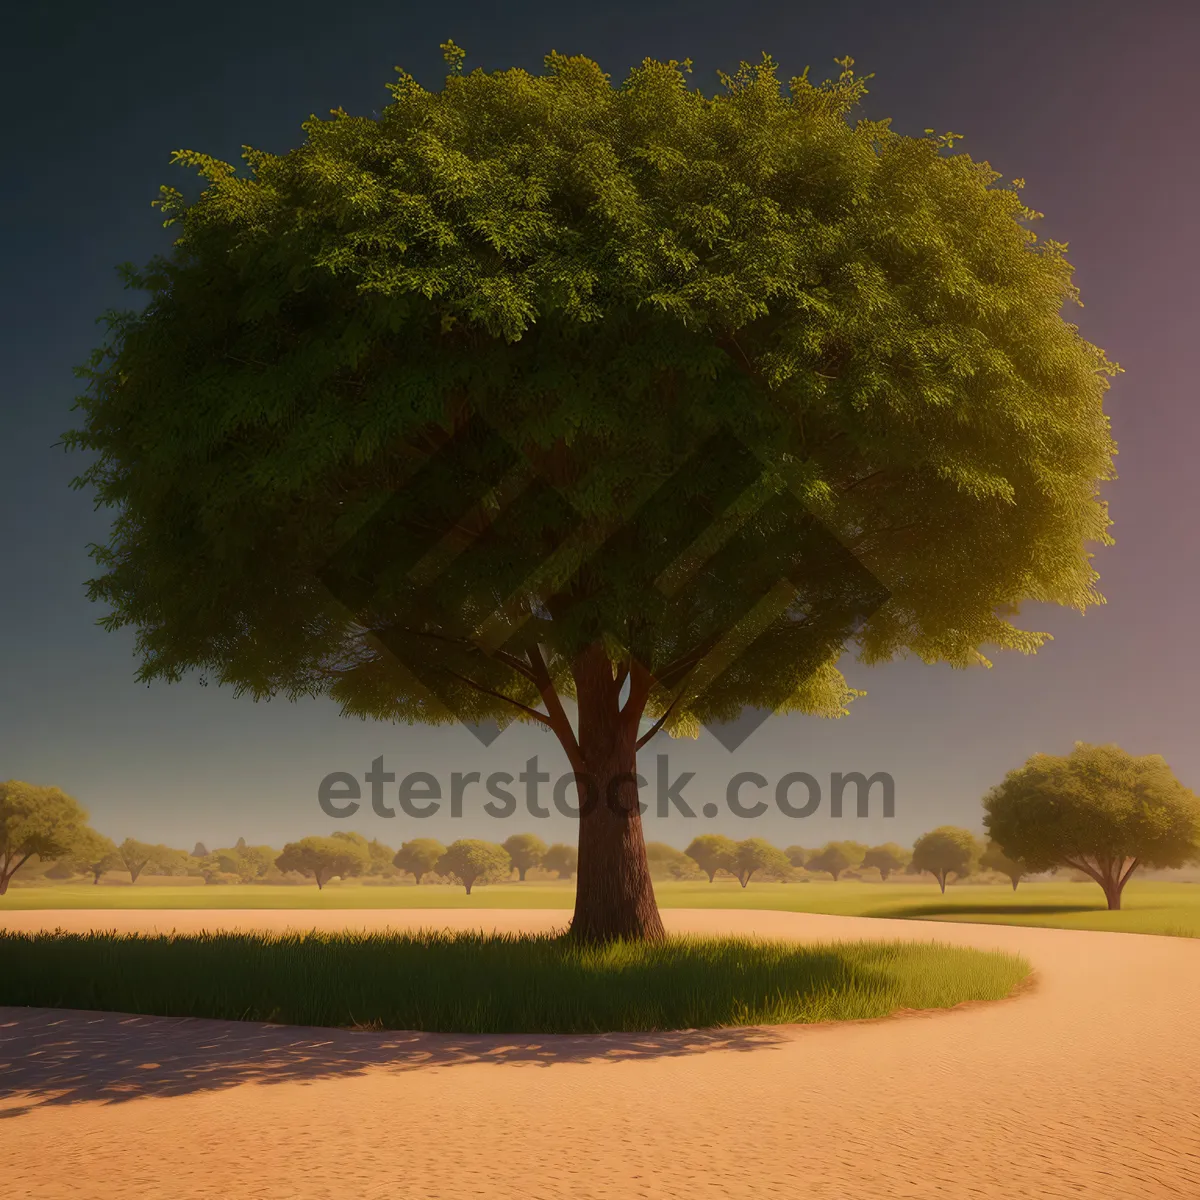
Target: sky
{"type": "Point", "coordinates": [1090, 101]}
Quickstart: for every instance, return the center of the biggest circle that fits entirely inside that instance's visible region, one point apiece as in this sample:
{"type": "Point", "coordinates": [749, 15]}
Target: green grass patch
{"type": "Point", "coordinates": [1150, 906]}
{"type": "Point", "coordinates": [472, 983]}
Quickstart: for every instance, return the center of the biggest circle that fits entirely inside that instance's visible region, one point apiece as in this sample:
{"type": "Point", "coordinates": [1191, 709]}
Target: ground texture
{"type": "Point", "coordinates": [1088, 1086]}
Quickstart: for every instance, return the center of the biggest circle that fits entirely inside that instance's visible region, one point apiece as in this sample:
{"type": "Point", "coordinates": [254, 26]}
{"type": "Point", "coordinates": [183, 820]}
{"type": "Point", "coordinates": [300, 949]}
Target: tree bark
{"type": "Point", "coordinates": [521, 873]}
{"type": "Point", "coordinates": [614, 896]}
{"type": "Point", "coordinates": [1112, 893]}
{"type": "Point", "coordinates": [467, 885]}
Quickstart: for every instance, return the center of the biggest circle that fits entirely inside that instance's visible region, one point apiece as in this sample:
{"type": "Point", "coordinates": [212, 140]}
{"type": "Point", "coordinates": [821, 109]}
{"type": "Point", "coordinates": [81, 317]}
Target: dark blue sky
{"type": "Point", "coordinates": [1091, 101]}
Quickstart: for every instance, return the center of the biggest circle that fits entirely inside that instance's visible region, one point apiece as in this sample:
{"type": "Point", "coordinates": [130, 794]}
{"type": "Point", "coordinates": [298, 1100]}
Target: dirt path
{"type": "Point", "coordinates": [1087, 1087]}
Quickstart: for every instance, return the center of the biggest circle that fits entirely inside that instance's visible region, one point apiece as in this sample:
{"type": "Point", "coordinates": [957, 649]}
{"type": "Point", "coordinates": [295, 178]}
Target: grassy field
{"type": "Point", "coordinates": [494, 984]}
{"type": "Point", "coordinates": [1149, 906]}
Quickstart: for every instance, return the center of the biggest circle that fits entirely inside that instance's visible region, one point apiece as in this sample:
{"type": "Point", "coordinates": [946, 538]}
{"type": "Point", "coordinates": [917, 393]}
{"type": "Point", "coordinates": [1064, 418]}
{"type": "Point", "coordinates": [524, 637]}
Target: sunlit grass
{"type": "Point", "coordinates": [475, 983]}
{"type": "Point", "coordinates": [1149, 906]}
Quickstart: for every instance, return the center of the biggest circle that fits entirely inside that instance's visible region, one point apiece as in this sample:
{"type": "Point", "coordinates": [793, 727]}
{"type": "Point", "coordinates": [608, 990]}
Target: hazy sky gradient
{"type": "Point", "coordinates": [1091, 102]}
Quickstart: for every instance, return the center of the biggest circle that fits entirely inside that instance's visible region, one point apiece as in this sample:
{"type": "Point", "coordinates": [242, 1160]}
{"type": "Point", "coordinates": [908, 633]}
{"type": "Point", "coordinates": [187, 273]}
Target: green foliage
{"type": "Point", "coordinates": [136, 856]}
{"type": "Point", "coordinates": [472, 860]}
{"type": "Point", "coordinates": [561, 859]}
{"type": "Point", "coordinates": [324, 858]}
{"type": "Point", "coordinates": [526, 850]}
{"type": "Point", "coordinates": [474, 983]}
{"type": "Point", "coordinates": [93, 854]}
{"type": "Point", "coordinates": [419, 856]}
{"type": "Point", "coordinates": [945, 851]}
{"type": "Point", "coordinates": [836, 857]}
{"type": "Point", "coordinates": [713, 852]}
{"type": "Point", "coordinates": [1098, 810]}
{"type": "Point", "coordinates": [798, 855]}
{"type": "Point", "coordinates": [994, 859]}
{"type": "Point", "coordinates": [606, 273]}
{"type": "Point", "coordinates": [887, 858]}
{"type": "Point", "coordinates": [35, 820]}
{"type": "Point", "coordinates": [756, 855]}
{"type": "Point", "coordinates": [666, 862]}
{"type": "Point", "coordinates": [245, 863]}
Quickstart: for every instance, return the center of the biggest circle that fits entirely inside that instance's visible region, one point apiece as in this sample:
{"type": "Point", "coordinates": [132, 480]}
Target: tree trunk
{"type": "Point", "coordinates": [942, 881]}
{"type": "Point", "coordinates": [614, 897]}
{"type": "Point", "coordinates": [467, 886]}
{"type": "Point", "coordinates": [521, 873]}
{"type": "Point", "coordinates": [711, 876]}
{"type": "Point", "coordinates": [3, 884]}
{"type": "Point", "coordinates": [1112, 893]}
{"type": "Point", "coordinates": [1016, 880]}
{"type": "Point", "coordinates": [417, 876]}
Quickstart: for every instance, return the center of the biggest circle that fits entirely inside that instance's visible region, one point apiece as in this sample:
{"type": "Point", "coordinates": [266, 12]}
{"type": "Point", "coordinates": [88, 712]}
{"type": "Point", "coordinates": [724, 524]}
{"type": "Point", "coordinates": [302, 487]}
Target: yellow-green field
{"type": "Point", "coordinates": [1149, 906]}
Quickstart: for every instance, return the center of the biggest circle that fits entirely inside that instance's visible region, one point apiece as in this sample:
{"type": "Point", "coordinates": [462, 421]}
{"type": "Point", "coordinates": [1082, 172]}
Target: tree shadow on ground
{"type": "Point", "coordinates": [56, 1056]}
{"type": "Point", "coordinates": [995, 910]}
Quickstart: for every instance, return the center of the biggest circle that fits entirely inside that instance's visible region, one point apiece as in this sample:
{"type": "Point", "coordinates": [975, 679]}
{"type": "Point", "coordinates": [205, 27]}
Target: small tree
{"type": "Point", "coordinates": [798, 856]}
{"type": "Point", "coordinates": [561, 859]}
{"type": "Point", "coordinates": [382, 859]}
{"type": "Point", "coordinates": [836, 857]}
{"type": "Point", "coordinates": [471, 861]}
{"type": "Point", "coordinates": [945, 851]}
{"type": "Point", "coordinates": [248, 863]}
{"type": "Point", "coordinates": [758, 855]}
{"type": "Point", "coordinates": [526, 850]}
{"type": "Point", "coordinates": [35, 820]}
{"type": "Point", "coordinates": [136, 856]}
{"type": "Point", "coordinates": [94, 854]}
{"type": "Point", "coordinates": [1097, 810]}
{"type": "Point", "coordinates": [324, 858]}
{"type": "Point", "coordinates": [199, 850]}
{"type": "Point", "coordinates": [713, 852]}
{"type": "Point", "coordinates": [419, 856]}
{"type": "Point", "coordinates": [887, 858]}
{"type": "Point", "coordinates": [994, 859]}
{"type": "Point", "coordinates": [668, 863]}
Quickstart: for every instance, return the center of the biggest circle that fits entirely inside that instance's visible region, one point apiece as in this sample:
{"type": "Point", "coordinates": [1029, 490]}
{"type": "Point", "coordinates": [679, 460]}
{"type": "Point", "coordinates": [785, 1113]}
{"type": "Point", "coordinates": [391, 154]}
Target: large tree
{"type": "Point", "coordinates": [836, 857]}
{"type": "Point", "coordinates": [1098, 810]}
{"type": "Point", "coordinates": [537, 392]}
{"type": "Point", "coordinates": [472, 860]}
{"type": "Point", "coordinates": [35, 820]}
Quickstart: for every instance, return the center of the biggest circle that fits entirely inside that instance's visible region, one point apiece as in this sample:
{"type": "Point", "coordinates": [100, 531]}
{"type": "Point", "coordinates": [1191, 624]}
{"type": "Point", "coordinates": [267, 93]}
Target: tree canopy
{"type": "Point", "coordinates": [562, 859]}
{"type": "Point", "coordinates": [836, 857]}
{"type": "Point", "coordinates": [697, 381]}
{"type": "Point", "coordinates": [324, 858]}
{"type": "Point", "coordinates": [472, 860]}
{"type": "Point", "coordinates": [35, 820]}
{"type": "Point", "coordinates": [887, 858]}
{"type": "Point", "coordinates": [712, 852]}
{"type": "Point", "coordinates": [419, 856]}
{"type": "Point", "coordinates": [1098, 810]}
{"type": "Point", "coordinates": [526, 850]}
{"type": "Point", "coordinates": [757, 856]}
{"type": "Point", "coordinates": [945, 851]}
{"type": "Point", "coordinates": [994, 859]}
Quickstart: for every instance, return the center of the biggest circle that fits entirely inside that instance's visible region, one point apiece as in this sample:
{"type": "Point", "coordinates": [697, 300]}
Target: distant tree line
{"type": "Point", "coordinates": [1097, 811]}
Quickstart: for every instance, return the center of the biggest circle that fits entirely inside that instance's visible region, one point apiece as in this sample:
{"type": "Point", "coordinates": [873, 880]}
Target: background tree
{"type": "Point", "coordinates": [650, 293]}
{"type": "Point", "coordinates": [199, 850]}
{"type": "Point", "coordinates": [562, 859]}
{"type": "Point", "coordinates": [757, 855]}
{"type": "Point", "coordinates": [324, 858]}
{"type": "Point", "coordinates": [887, 858]}
{"type": "Point", "coordinates": [93, 854]}
{"type": "Point", "coordinates": [712, 852]}
{"type": "Point", "coordinates": [35, 820]}
{"type": "Point", "coordinates": [798, 856]}
{"type": "Point", "coordinates": [248, 863]}
{"type": "Point", "coordinates": [526, 850]}
{"type": "Point", "coordinates": [666, 862]}
{"type": "Point", "coordinates": [137, 856]}
{"type": "Point", "coordinates": [994, 859]}
{"type": "Point", "coordinates": [945, 851]}
{"type": "Point", "coordinates": [419, 856]}
{"type": "Point", "coordinates": [1098, 810]}
{"type": "Point", "coordinates": [471, 861]}
{"type": "Point", "coordinates": [382, 859]}
{"type": "Point", "coordinates": [836, 857]}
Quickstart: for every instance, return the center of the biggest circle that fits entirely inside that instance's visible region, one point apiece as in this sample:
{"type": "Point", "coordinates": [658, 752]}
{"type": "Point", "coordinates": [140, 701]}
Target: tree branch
{"type": "Point", "coordinates": [532, 712]}
{"type": "Point", "coordinates": [558, 720]}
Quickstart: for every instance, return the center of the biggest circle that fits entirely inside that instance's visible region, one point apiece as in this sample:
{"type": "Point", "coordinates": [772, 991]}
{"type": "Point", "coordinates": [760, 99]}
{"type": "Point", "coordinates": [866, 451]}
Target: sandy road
{"type": "Point", "coordinates": [1089, 1086]}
